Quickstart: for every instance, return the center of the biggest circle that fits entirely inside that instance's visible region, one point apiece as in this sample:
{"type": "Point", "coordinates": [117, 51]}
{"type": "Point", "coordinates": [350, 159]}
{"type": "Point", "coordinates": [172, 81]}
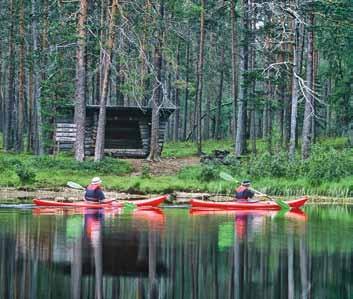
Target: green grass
{"type": "Point", "coordinates": [187, 149]}
{"type": "Point", "coordinates": [55, 171]}
{"type": "Point", "coordinates": [269, 174]}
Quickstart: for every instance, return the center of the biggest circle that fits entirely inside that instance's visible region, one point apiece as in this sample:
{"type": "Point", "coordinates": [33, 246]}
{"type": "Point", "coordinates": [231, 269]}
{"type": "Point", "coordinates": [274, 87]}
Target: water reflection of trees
{"type": "Point", "coordinates": [177, 256]}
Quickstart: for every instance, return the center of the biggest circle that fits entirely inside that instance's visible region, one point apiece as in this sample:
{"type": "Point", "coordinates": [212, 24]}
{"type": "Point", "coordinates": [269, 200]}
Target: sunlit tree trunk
{"type": "Point", "coordinates": [199, 78]}
{"type": "Point", "coordinates": [2, 115]}
{"type": "Point", "coordinates": [309, 100]}
{"type": "Point", "coordinates": [295, 92]}
{"type": "Point", "coordinates": [155, 150]}
{"type": "Point", "coordinates": [240, 135]}
{"type": "Point", "coordinates": [186, 99]}
{"type": "Point", "coordinates": [107, 55]}
{"type": "Point", "coordinates": [80, 102]}
{"type": "Point", "coordinates": [39, 147]}
{"type": "Point", "coordinates": [219, 98]}
{"type": "Point", "coordinates": [21, 80]}
{"type": "Point", "coordinates": [177, 100]}
{"type": "Point", "coordinates": [10, 99]}
{"type": "Point", "coordinates": [234, 66]}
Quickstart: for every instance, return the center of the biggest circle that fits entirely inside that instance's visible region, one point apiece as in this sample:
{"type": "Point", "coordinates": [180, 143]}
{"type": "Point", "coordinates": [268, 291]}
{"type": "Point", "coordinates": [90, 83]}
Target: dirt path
{"type": "Point", "coordinates": [167, 166]}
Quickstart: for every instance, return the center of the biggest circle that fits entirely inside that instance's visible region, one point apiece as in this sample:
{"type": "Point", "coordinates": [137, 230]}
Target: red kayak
{"type": "Point", "coordinates": [233, 205]}
{"type": "Point", "coordinates": [111, 203]}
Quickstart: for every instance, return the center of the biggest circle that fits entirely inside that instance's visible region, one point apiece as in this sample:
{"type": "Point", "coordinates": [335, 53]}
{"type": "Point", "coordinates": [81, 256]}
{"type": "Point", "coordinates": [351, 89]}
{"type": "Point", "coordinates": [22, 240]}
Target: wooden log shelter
{"type": "Point", "coordinates": [127, 130]}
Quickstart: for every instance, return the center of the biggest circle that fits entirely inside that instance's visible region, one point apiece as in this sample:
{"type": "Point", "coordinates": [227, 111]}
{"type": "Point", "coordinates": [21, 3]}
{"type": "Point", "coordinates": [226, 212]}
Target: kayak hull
{"type": "Point", "coordinates": [264, 205]}
{"type": "Point", "coordinates": [151, 202]}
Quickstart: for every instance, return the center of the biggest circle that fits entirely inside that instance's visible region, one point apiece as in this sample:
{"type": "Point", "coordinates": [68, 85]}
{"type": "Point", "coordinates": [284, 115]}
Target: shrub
{"type": "Point", "coordinates": [25, 173]}
{"type": "Point", "coordinates": [8, 162]}
{"type": "Point", "coordinates": [189, 172]}
{"type": "Point", "coordinates": [208, 173]}
{"type": "Point", "coordinates": [146, 172]}
{"type": "Point", "coordinates": [328, 164]}
{"type": "Point", "coordinates": [267, 165]}
{"type": "Point", "coordinates": [106, 166]}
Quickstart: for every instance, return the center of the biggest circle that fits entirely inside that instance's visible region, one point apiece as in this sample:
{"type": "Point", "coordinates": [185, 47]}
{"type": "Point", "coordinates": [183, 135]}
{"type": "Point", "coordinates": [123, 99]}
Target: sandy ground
{"type": "Point", "coordinates": [167, 166]}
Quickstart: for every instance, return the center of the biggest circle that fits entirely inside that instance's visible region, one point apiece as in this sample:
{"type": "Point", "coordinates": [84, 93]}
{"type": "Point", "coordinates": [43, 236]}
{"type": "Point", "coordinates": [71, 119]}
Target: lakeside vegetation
{"type": "Point", "coordinates": [269, 81]}
{"type": "Point", "coordinates": [328, 172]}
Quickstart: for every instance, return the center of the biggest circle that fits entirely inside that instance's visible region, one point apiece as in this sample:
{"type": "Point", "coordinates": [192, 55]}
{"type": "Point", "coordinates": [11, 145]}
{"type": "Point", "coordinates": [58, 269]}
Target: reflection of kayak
{"type": "Point", "coordinates": [78, 204]}
{"type": "Point", "coordinates": [58, 211]}
{"type": "Point", "coordinates": [264, 205]}
{"type": "Point", "coordinates": [151, 202]}
{"type": "Point", "coordinates": [295, 214]}
{"type": "Point", "coordinates": [151, 215]}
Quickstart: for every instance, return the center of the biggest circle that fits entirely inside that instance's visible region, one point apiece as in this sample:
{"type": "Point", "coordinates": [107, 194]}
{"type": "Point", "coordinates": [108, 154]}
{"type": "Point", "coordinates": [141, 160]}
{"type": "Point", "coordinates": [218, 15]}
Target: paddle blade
{"type": "Point", "coordinates": [282, 204]}
{"type": "Point", "coordinates": [227, 177]}
{"type": "Point", "coordinates": [74, 185]}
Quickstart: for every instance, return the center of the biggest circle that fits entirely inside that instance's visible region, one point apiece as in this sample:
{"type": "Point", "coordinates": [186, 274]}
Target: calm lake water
{"type": "Point", "coordinates": [176, 253]}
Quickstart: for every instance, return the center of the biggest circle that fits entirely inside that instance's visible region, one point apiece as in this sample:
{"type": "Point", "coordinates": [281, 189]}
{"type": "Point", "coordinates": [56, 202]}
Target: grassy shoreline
{"type": "Point", "coordinates": [28, 172]}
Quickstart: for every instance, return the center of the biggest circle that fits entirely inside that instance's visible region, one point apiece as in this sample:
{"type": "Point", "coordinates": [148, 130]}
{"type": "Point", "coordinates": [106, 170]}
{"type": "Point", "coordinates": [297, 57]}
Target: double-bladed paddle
{"type": "Point", "coordinates": [74, 185]}
{"type": "Point", "coordinates": [126, 205]}
{"type": "Point", "coordinates": [283, 205]}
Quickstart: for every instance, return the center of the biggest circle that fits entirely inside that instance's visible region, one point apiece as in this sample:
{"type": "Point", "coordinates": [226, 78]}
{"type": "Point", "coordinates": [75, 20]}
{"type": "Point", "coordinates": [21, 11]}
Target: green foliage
{"type": "Point", "coordinates": [186, 149]}
{"type": "Point", "coordinates": [50, 171]}
{"type": "Point", "coordinates": [208, 173]}
{"type": "Point", "coordinates": [25, 173]}
{"type": "Point", "coordinates": [266, 165]}
{"type": "Point", "coordinates": [338, 143]}
{"type": "Point", "coordinates": [146, 172]}
{"type": "Point", "coordinates": [190, 172]}
{"type": "Point", "coordinates": [328, 164]}
{"type": "Point", "coordinates": [106, 166]}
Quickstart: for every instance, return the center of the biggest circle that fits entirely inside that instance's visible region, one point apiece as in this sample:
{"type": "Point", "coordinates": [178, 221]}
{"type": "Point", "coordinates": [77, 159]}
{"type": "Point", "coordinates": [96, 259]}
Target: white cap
{"type": "Point", "coordinates": [96, 181]}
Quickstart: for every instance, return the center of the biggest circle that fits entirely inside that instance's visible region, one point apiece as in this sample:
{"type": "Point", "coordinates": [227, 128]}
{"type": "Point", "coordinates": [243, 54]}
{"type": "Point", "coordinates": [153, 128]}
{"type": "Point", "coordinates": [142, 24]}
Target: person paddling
{"type": "Point", "coordinates": [243, 192]}
{"type": "Point", "coordinates": [94, 191]}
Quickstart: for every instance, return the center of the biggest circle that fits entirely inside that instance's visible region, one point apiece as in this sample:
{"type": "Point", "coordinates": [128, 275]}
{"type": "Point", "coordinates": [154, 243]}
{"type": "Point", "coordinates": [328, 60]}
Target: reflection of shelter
{"type": "Point", "coordinates": [121, 257]}
{"type": "Point", "coordinates": [124, 253]}
{"type": "Point", "coordinates": [127, 130]}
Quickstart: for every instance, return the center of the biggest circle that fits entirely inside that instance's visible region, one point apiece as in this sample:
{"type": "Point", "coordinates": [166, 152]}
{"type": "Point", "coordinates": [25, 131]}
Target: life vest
{"type": "Point", "coordinates": [93, 187]}
{"type": "Point", "coordinates": [241, 193]}
{"type": "Point", "coordinates": [93, 193]}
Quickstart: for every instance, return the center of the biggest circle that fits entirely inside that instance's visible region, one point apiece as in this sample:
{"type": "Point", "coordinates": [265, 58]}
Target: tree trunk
{"type": "Point", "coordinates": [240, 135]}
{"type": "Point", "coordinates": [21, 80]}
{"type": "Point", "coordinates": [315, 68]}
{"type": "Point", "coordinates": [80, 103]}
{"type": "Point", "coordinates": [186, 90]}
{"type": "Point", "coordinates": [269, 127]}
{"type": "Point", "coordinates": [219, 98]}
{"type": "Point", "coordinates": [328, 110]}
{"type": "Point", "coordinates": [234, 67]}
{"type": "Point", "coordinates": [199, 78]}
{"type": "Point", "coordinates": [177, 100]}
{"type": "Point", "coordinates": [155, 150]}
{"type": "Point", "coordinates": [10, 99]}
{"type": "Point", "coordinates": [2, 114]}
{"type": "Point", "coordinates": [308, 112]}
{"type": "Point", "coordinates": [107, 54]}
{"type": "Point", "coordinates": [295, 92]}
{"type": "Point", "coordinates": [39, 147]}
{"type": "Point", "coordinates": [30, 141]}
{"type": "Point", "coordinates": [253, 105]}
